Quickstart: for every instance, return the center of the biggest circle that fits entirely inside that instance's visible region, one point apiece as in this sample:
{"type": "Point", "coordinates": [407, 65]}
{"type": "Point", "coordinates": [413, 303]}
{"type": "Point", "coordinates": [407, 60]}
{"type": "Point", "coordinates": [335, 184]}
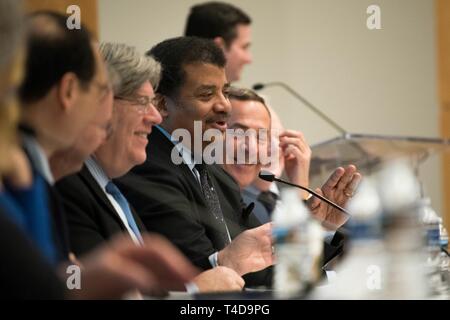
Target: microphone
{"type": "Point", "coordinates": [323, 116]}
{"type": "Point", "coordinates": [268, 176]}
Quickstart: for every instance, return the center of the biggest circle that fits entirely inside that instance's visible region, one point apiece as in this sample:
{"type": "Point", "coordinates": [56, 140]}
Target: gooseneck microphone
{"type": "Point", "coordinates": [268, 176]}
{"type": "Point", "coordinates": [323, 116]}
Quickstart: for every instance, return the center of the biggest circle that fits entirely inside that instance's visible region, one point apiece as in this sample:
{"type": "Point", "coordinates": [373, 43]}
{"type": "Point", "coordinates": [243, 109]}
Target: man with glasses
{"type": "Point", "coordinates": [95, 207]}
{"type": "Point", "coordinates": [196, 205]}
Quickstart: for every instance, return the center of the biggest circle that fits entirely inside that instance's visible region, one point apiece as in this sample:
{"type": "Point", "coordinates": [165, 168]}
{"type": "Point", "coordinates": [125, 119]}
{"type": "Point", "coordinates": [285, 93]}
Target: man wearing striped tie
{"type": "Point", "coordinates": [95, 207]}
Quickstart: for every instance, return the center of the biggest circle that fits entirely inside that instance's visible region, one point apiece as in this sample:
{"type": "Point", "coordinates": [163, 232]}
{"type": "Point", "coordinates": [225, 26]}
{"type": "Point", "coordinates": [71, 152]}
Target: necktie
{"type": "Point", "coordinates": [212, 200]}
{"type": "Point", "coordinates": [269, 200]}
{"type": "Point", "coordinates": [112, 189]}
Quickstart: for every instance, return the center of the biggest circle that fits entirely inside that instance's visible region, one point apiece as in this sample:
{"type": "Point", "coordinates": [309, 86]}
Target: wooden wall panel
{"type": "Point", "coordinates": [443, 65]}
{"type": "Point", "coordinates": [89, 13]}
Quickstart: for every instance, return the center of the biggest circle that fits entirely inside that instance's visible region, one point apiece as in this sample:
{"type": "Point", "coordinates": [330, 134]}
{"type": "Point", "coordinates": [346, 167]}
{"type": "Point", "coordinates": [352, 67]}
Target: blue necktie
{"type": "Point", "coordinates": [112, 189]}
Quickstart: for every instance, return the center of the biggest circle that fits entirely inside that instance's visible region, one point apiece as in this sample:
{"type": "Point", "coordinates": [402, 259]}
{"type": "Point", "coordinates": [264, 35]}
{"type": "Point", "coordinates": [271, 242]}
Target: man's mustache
{"type": "Point", "coordinates": [221, 117]}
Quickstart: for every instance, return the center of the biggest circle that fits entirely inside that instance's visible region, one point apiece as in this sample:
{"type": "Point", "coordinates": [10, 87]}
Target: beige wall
{"type": "Point", "coordinates": [381, 82]}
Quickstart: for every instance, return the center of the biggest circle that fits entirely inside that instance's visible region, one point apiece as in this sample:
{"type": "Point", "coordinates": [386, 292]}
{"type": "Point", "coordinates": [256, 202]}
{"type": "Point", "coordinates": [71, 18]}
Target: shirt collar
{"type": "Point", "coordinates": [38, 158]}
{"type": "Point", "coordinates": [97, 172]}
{"type": "Point", "coordinates": [252, 189]}
{"type": "Point", "coordinates": [184, 151]}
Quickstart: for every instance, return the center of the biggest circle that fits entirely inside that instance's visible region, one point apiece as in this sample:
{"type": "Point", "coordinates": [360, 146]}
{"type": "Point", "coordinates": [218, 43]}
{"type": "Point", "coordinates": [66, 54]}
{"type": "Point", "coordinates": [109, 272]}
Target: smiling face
{"type": "Point", "coordinates": [247, 115]}
{"type": "Point", "coordinates": [202, 97]}
{"type": "Point", "coordinates": [131, 123]}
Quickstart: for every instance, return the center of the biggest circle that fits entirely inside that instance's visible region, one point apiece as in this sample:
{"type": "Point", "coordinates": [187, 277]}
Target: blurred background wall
{"type": "Point", "coordinates": [369, 81]}
{"type": "Point", "coordinates": [381, 81]}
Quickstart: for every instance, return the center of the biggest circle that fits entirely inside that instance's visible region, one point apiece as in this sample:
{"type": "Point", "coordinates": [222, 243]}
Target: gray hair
{"type": "Point", "coordinates": [11, 28]}
{"type": "Point", "coordinates": [113, 77]}
{"type": "Point", "coordinates": [132, 68]}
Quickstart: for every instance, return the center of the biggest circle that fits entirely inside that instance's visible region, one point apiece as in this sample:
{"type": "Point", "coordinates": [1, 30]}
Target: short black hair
{"type": "Point", "coordinates": [244, 94]}
{"type": "Point", "coordinates": [54, 50]}
{"type": "Point", "coordinates": [215, 19]}
{"type": "Point", "coordinates": [174, 54]}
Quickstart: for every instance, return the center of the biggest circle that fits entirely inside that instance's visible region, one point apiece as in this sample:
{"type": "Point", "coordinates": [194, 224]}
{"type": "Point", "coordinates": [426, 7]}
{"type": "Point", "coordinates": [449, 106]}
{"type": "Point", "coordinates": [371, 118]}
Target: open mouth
{"type": "Point", "coordinates": [221, 125]}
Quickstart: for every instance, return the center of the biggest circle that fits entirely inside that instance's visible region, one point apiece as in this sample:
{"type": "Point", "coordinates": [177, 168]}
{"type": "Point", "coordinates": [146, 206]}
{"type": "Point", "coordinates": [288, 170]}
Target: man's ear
{"type": "Point", "coordinates": [161, 105]}
{"type": "Point", "coordinates": [220, 43]}
{"type": "Point", "coordinates": [68, 91]}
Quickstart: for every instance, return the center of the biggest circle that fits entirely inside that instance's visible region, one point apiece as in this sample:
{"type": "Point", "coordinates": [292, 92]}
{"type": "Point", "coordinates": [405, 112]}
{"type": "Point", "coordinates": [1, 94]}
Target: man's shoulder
{"type": "Point", "coordinates": [78, 187]}
{"type": "Point", "coordinates": [69, 184]}
{"type": "Point", "coordinates": [159, 155]}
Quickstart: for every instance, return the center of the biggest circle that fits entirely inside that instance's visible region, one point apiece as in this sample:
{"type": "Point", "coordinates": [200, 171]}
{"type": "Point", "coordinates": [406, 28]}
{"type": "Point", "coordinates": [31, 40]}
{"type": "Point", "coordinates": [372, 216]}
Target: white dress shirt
{"type": "Point", "coordinates": [102, 179]}
{"type": "Point", "coordinates": [38, 158]}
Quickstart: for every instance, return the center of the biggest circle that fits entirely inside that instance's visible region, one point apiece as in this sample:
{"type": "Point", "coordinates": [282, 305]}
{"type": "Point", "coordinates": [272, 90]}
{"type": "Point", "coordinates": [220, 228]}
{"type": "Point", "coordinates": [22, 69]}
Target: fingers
{"type": "Point", "coordinates": [314, 202]}
{"type": "Point", "coordinates": [232, 281]}
{"type": "Point", "coordinates": [296, 140]}
{"type": "Point", "coordinates": [353, 185]}
{"type": "Point", "coordinates": [240, 283]}
{"type": "Point", "coordinates": [347, 177]}
{"type": "Point", "coordinates": [292, 134]}
{"type": "Point", "coordinates": [266, 242]}
{"type": "Point", "coordinates": [333, 180]}
{"type": "Point", "coordinates": [108, 275]}
{"type": "Point", "coordinates": [292, 152]}
{"type": "Point", "coordinates": [172, 255]}
{"type": "Point", "coordinates": [131, 275]}
{"type": "Point", "coordinates": [171, 267]}
{"type": "Point", "coordinates": [264, 230]}
{"type": "Point", "coordinates": [219, 279]}
{"type": "Point", "coordinates": [159, 257]}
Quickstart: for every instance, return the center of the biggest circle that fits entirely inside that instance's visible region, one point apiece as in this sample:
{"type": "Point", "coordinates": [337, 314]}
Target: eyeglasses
{"type": "Point", "coordinates": [143, 104]}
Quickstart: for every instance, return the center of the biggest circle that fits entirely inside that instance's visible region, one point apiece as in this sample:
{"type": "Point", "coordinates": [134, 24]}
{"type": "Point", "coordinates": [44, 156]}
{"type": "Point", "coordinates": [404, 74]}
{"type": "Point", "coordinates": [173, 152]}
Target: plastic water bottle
{"type": "Point", "coordinates": [403, 235]}
{"type": "Point", "coordinates": [432, 224]}
{"type": "Point", "coordinates": [385, 257]}
{"type": "Point", "coordinates": [298, 247]}
{"type": "Point", "coordinates": [360, 273]}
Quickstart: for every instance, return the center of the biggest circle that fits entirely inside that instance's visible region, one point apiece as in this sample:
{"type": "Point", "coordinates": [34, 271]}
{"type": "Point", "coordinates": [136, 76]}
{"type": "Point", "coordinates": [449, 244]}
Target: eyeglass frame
{"type": "Point", "coordinates": [143, 107]}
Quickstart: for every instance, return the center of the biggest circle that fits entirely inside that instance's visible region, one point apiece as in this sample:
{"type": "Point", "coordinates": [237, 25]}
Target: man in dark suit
{"type": "Point", "coordinates": [96, 211]}
{"type": "Point", "coordinates": [65, 78]}
{"type": "Point", "coordinates": [95, 208]}
{"type": "Point", "coordinates": [196, 205]}
{"type": "Point", "coordinates": [26, 271]}
{"type": "Point", "coordinates": [250, 114]}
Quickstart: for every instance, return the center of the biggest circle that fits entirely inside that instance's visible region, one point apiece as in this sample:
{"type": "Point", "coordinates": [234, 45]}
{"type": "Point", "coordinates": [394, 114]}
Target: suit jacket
{"type": "Point", "coordinates": [251, 195]}
{"type": "Point", "coordinates": [169, 200]}
{"type": "Point", "coordinates": [59, 224]}
{"type": "Point", "coordinates": [24, 272]}
{"type": "Point", "coordinates": [58, 221]}
{"type": "Point", "coordinates": [92, 219]}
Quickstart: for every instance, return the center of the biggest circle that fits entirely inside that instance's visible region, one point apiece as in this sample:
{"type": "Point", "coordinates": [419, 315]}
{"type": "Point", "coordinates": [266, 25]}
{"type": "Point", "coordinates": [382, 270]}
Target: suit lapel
{"type": "Point", "coordinates": [157, 138]}
{"type": "Point", "coordinates": [99, 195]}
{"type": "Point", "coordinates": [138, 220]}
{"type": "Point", "coordinates": [92, 184]}
{"type": "Point", "coordinates": [165, 147]}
